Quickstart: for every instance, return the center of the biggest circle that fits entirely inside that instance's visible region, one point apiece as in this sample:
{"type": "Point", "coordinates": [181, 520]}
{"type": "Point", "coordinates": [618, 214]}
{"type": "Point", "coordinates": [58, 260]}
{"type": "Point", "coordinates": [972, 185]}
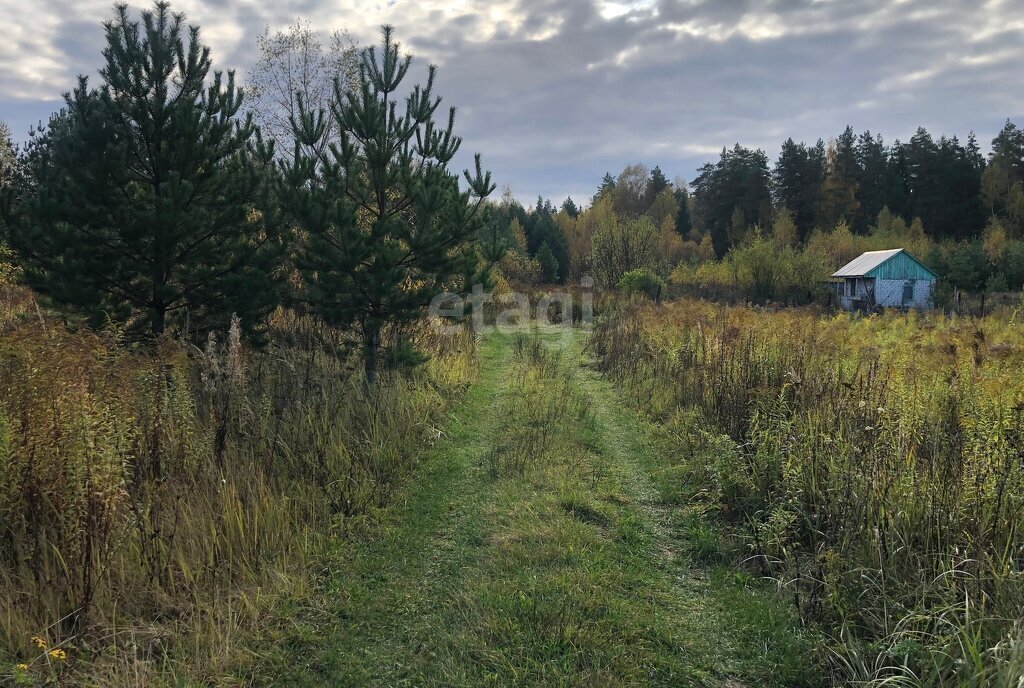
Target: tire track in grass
{"type": "Point", "coordinates": [530, 548]}
{"type": "Point", "coordinates": [758, 640]}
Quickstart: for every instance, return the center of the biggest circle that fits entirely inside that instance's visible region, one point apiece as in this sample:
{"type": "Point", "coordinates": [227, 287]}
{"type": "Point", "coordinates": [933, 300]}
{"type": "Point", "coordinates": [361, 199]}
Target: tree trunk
{"type": "Point", "coordinates": [371, 353]}
{"type": "Point", "coordinates": [159, 317]}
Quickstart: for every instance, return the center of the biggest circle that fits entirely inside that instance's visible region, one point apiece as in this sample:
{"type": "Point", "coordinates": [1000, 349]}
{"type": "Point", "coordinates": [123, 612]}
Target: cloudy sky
{"type": "Point", "coordinates": [554, 93]}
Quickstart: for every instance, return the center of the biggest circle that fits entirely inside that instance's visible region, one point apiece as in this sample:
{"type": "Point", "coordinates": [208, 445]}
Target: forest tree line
{"type": "Point", "coordinates": [959, 210]}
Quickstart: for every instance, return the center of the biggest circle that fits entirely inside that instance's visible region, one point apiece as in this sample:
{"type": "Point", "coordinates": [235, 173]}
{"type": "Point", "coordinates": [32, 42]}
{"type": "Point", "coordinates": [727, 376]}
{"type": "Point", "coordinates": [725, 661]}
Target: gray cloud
{"type": "Point", "coordinates": [554, 93]}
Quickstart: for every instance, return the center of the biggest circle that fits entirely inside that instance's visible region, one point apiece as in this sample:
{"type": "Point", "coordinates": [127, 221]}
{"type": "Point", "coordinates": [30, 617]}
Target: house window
{"type": "Point", "coordinates": [908, 293]}
{"type": "Point", "coordinates": [851, 286]}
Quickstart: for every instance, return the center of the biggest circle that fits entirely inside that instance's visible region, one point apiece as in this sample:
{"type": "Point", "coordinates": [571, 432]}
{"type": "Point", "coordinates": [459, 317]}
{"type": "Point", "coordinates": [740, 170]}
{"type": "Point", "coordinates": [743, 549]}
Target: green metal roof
{"type": "Point", "coordinates": [892, 264]}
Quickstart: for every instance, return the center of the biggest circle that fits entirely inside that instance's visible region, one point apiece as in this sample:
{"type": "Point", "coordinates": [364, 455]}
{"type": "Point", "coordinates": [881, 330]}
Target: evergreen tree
{"type": "Point", "coordinates": [684, 225]}
{"type": "Point", "coordinates": [968, 267]}
{"type": "Point", "coordinates": [1002, 195]}
{"type": "Point", "coordinates": [549, 268]}
{"type": "Point", "coordinates": [960, 213]}
{"type": "Point", "coordinates": [518, 213]}
{"type": "Point", "coordinates": [503, 224]}
{"type": "Point", "coordinates": [544, 231]}
{"type": "Point", "coordinates": [569, 206]}
{"type": "Point", "coordinates": [787, 177]}
{"type": "Point", "coordinates": [846, 162]}
{"type": "Point", "coordinates": [1012, 265]}
{"type": "Point", "coordinates": [973, 151]}
{"type": "Point", "coordinates": [1008, 146]}
{"type": "Point", "coordinates": [944, 184]}
{"type": "Point", "coordinates": [498, 230]}
{"type": "Point", "coordinates": [898, 191]}
{"type": "Point", "coordinates": [739, 181]}
{"type": "Point", "coordinates": [388, 226]}
{"type": "Point", "coordinates": [1002, 180]}
{"type": "Point", "coordinates": [878, 182]}
{"type": "Point", "coordinates": [657, 183]}
{"type": "Point", "coordinates": [150, 207]}
{"type": "Point", "coordinates": [538, 230]}
{"type": "Point", "coordinates": [797, 182]}
{"type": "Point", "coordinates": [607, 186]}
{"type": "Point", "coordinates": [923, 178]}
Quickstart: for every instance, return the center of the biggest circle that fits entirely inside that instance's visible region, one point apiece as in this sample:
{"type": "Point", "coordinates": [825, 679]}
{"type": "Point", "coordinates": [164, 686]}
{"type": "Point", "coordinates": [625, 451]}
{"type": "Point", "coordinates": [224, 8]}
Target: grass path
{"type": "Point", "coordinates": [533, 547]}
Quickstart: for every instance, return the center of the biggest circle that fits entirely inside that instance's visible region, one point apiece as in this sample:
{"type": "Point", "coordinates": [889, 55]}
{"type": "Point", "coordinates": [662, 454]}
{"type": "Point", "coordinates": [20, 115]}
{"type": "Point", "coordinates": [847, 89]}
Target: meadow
{"type": "Point", "coordinates": [871, 466]}
{"type": "Point", "coordinates": [176, 513]}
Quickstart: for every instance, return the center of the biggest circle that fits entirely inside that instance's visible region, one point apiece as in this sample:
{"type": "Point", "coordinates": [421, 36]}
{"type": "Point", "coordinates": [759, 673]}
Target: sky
{"type": "Point", "coordinates": [554, 93]}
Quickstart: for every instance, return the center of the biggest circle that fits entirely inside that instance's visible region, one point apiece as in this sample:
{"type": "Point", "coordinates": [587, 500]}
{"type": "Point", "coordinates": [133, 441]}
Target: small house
{"type": "Point", "coordinates": [887, 279]}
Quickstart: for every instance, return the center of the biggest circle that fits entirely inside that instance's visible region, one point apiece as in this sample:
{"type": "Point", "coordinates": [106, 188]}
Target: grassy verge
{"type": "Point", "coordinates": [532, 548]}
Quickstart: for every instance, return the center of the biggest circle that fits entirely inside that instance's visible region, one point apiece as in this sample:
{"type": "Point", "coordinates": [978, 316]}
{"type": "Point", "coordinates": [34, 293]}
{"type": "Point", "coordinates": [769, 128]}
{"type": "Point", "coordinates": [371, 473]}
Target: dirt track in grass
{"type": "Point", "coordinates": [532, 547]}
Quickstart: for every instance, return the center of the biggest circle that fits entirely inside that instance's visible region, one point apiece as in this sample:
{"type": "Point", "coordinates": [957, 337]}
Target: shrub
{"type": "Point", "coordinates": [642, 281]}
{"type": "Point", "coordinates": [621, 245]}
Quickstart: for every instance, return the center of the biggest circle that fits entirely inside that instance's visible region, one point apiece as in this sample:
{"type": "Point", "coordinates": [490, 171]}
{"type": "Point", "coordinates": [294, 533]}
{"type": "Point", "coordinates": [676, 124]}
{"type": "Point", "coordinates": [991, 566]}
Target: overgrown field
{"type": "Point", "coordinates": [874, 466]}
{"type": "Point", "coordinates": [156, 504]}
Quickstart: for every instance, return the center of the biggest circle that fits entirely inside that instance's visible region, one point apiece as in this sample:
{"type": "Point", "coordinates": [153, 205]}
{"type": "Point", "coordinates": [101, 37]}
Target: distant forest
{"type": "Point", "coordinates": [949, 185]}
{"type": "Point", "coordinates": [942, 197]}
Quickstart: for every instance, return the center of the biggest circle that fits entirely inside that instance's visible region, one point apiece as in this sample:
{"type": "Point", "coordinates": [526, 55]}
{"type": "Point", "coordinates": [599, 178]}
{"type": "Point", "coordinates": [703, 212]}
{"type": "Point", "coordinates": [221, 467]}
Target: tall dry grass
{"type": "Point", "coordinates": [873, 465]}
{"type": "Point", "coordinates": [156, 504]}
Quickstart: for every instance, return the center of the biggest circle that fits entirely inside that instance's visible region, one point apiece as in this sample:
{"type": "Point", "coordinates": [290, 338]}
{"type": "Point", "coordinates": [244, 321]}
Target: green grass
{"type": "Point", "coordinates": [534, 547]}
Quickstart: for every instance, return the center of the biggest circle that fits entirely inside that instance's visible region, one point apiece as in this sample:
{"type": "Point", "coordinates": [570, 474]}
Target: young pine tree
{"type": "Point", "coordinates": [656, 183]}
{"type": "Point", "coordinates": [387, 227]}
{"type": "Point", "coordinates": [147, 202]}
{"type": "Point", "coordinates": [607, 186]}
{"type": "Point", "coordinates": [684, 224]}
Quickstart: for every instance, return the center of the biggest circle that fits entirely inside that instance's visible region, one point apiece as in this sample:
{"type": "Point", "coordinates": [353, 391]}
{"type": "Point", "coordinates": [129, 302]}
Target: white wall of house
{"type": "Point", "coordinates": [890, 293]}
{"type": "Point", "coordinates": [887, 293]}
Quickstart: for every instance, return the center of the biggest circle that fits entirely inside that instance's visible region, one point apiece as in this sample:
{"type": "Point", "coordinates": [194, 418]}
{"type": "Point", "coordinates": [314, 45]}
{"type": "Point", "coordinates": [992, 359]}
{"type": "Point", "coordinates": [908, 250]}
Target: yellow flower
{"type": "Point", "coordinates": [21, 667]}
{"type": "Point", "coordinates": [58, 654]}
{"type": "Point", "coordinates": [39, 642]}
